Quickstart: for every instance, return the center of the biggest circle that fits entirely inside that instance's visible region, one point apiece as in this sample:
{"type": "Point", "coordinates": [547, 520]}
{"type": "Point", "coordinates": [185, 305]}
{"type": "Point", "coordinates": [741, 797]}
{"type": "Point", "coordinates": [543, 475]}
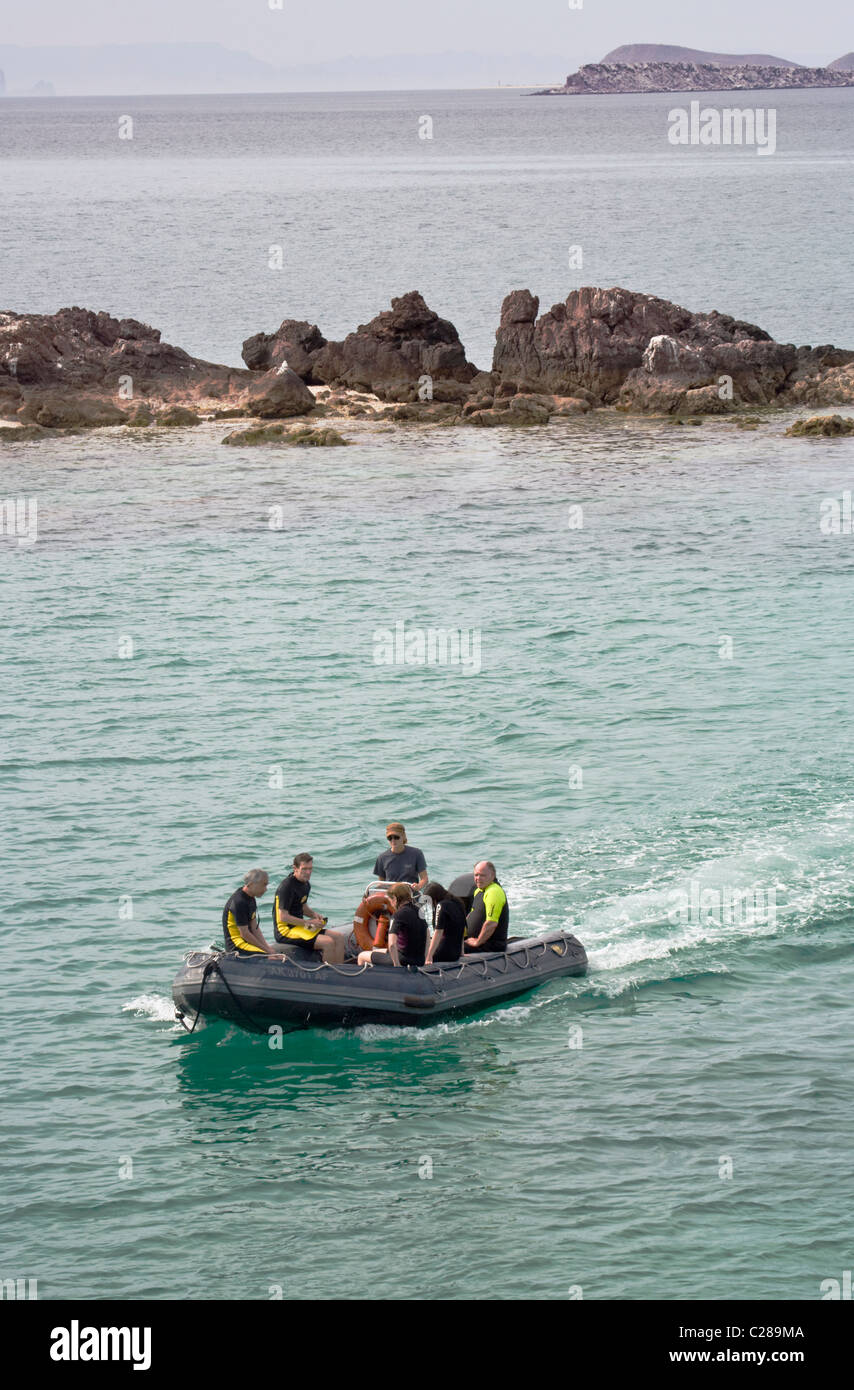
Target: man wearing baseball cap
{"type": "Point", "coordinates": [401, 862]}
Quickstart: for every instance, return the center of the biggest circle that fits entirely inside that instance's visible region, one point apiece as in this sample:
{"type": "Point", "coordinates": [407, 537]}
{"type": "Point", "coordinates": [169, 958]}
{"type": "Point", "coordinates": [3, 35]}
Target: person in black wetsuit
{"type": "Point", "coordinates": [240, 919]}
{"type": "Point", "coordinates": [407, 933]}
{"type": "Point", "coordinates": [449, 925]}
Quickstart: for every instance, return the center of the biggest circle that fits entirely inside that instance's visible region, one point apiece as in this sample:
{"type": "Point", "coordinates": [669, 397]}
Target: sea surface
{"type": "Point", "coordinates": [659, 717]}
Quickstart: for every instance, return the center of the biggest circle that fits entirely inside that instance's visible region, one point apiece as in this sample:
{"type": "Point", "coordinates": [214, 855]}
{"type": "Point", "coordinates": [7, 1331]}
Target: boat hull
{"type": "Point", "coordinates": [259, 994]}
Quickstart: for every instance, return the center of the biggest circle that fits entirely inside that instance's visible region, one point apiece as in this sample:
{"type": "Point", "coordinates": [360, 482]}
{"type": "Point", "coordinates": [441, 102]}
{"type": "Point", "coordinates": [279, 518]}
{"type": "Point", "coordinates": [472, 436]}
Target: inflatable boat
{"type": "Point", "coordinates": [302, 992]}
{"type": "Point", "coordinates": [299, 992]}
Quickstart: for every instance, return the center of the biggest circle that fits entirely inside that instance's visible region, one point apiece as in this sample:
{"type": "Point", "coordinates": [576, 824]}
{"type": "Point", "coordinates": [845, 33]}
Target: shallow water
{"type": "Point", "coordinates": [655, 711]}
{"type": "Point", "coordinates": [576, 1138]}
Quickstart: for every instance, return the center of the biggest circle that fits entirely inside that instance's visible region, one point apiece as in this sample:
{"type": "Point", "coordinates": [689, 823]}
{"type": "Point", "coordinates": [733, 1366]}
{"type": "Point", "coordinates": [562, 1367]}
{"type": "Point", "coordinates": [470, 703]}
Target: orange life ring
{"type": "Point", "coordinates": [377, 905]}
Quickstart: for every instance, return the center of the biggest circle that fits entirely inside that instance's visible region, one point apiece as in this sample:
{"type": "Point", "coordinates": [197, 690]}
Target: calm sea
{"type": "Point", "coordinates": [658, 721]}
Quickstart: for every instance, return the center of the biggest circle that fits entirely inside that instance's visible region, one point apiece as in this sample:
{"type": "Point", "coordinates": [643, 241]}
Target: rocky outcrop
{"type": "Point", "coordinates": [295, 343]}
{"type": "Point", "coordinates": [405, 353]}
{"type": "Point", "coordinates": [605, 78]}
{"type": "Point", "coordinates": [80, 369]}
{"type": "Point", "coordinates": [616, 347]}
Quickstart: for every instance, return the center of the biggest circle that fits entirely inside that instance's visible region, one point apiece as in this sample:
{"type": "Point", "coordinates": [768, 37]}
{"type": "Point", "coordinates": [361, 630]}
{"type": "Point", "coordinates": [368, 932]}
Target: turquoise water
{"type": "Point", "coordinates": [606, 755]}
{"type": "Point", "coordinates": [659, 714]}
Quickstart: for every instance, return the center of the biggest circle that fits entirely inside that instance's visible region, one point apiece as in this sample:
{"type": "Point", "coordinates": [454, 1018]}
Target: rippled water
{"type": "Point", "coordinates": [175, 225]}
{"type": "Point", "coordinates": [147, 777]}
{"type": "Point", "coordinates": [661, 713]}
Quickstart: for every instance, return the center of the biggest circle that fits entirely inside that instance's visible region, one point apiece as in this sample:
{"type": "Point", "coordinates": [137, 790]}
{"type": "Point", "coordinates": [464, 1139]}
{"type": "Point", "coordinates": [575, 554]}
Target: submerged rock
{"type": "Point", "coordinates": [178, 415]}
{"type": "Point", "coordinates": [63, 410]}
{"type": "Point", "coordinates": [141, 418]}
{"type": "Point", "coordinates": [279, 434]}
{"type": "Point", "coordinates": [22, 434]}
{"type": "Point", "coordinates": [517, 411]}
{"type": "Point", "coordinates": [826, 426]}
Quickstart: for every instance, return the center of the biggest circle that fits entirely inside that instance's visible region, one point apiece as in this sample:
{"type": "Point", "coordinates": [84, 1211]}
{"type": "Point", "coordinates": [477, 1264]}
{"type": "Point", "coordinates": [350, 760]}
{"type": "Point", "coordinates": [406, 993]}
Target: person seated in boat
{"type": "Point", "coordinates": [371, 919]}
{"type": "Point", "coordinates": [401, 862]}
{"type": "Point", "coordinates": [486, 924]}
{"type": "Point", "coordinates": [294, 923]}
{"type": "Point", "coordinates": [240, 918]}
{"type": "Point", "coordinates": [449, 925]}
{"type": "Point", "coordinates": [407, 933]}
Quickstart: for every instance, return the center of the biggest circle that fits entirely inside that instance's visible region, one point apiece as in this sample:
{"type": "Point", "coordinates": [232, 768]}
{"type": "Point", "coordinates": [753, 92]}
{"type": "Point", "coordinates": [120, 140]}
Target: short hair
{"type": "Point", "coordinates": [489, 864]}
{"type": "Point", "coordinates": [303, 859]}
{"type": "Point", "coordinates": [255, 876]}
{"type": "Point", "coordinates": [401, 892]}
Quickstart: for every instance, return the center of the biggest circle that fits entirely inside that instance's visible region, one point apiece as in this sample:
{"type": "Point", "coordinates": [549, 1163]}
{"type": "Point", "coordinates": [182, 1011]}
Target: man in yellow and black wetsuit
{"type": "Point", "coordinates": [486, 924]}
{"type": "Point", "coordinates": [240, 918]}
{"type": "Point", "coordinates": [293, 922]}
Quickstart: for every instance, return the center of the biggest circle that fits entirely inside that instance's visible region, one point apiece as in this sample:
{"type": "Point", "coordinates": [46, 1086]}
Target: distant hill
{"type": "Point", "coordinates": [844, 64]}
{"type": "Point", "coordinates": [669, 53]}
{"type": "Point", "coordinates": [159, 68]}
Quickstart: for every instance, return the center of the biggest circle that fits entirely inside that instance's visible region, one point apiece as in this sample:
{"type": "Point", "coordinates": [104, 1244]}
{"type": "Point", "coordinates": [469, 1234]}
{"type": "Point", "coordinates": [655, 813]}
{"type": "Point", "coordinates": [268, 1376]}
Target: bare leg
{"type": "Point", "coordinates": [332, 946]}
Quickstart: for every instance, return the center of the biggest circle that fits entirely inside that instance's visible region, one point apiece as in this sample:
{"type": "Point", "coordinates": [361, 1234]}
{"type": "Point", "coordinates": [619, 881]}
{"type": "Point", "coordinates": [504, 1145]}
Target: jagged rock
{"type": "Point", "coordinates": [56, 357]}
{"type": "Point", "coordinates": [394, 353]}
{"type": "Point", "coordinates": [644, 353]}
{"type": "Point", "coordinates": [278, 395]}
{"type": "Point", "coordinates": [77, 348]}
{"type": "Point", "coordinates": [827, 426]}
{"type": "Point", "coordinates": [295, 342]}
{"type": "Point", "coordinates": [178, 415]}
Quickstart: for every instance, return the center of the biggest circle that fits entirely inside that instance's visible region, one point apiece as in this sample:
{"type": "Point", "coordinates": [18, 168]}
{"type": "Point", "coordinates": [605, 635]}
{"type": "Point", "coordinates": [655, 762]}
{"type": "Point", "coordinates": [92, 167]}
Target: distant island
{"type": "Point", "coordinates": [635, 68]}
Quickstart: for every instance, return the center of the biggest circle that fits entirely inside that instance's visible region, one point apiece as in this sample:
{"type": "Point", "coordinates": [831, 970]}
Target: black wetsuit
{"type": "Point", "coordinates": [411, 931]}
{"type": "Point", "coordinates": [451, 921]}
{"type": "Point", "coordinates": [240, 911]}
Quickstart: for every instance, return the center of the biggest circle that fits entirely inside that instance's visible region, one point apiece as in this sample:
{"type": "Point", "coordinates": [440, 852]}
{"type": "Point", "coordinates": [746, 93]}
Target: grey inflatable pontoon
{"type": "Point", "coordinates": [300, 991]}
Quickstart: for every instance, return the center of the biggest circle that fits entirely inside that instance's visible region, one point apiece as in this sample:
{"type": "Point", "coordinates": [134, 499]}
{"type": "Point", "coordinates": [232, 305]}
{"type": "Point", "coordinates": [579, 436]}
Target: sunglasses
{"type": "Point", "coordinates": [392, 837]}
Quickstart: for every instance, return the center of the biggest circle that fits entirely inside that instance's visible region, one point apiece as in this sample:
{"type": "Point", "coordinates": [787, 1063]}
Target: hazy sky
{"type": "Point", "coordinates": [300, 32]}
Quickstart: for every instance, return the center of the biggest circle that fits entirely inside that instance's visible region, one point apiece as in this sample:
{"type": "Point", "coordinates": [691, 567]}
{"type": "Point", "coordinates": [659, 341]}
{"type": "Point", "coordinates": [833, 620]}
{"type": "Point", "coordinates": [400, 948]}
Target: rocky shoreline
{"type": "Point", "coordinates": [610, 349]}
{"type": "Point", "coordinates": [603, 79]}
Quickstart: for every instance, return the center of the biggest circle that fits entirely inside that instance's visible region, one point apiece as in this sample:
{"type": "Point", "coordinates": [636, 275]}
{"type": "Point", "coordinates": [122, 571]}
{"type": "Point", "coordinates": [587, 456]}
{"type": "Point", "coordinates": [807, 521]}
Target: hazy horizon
{"type": "Point", "coordinates": [475, 43]}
